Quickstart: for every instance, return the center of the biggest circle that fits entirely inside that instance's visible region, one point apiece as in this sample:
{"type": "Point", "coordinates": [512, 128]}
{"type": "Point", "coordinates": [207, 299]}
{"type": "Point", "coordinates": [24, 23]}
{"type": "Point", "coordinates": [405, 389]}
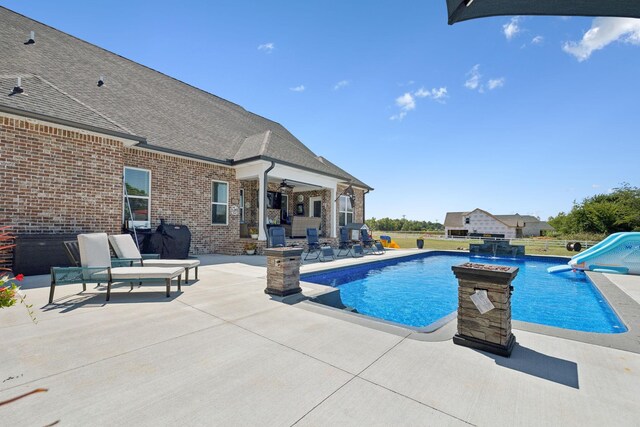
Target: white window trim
{"type": "Point", "coordinates": [311, 201]}
{"type": "Point", "coordinates": [218, 203]}
{"type": "Point", "coordinates": [348, 204]}
{"type": "Point", "coordinates": [124, 195]}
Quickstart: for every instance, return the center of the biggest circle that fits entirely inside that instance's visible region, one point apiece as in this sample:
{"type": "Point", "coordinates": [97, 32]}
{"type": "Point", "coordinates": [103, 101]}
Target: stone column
{"type": "Point", "coordinates": [283, 271]}
{"type": "Point", "coordinates": [491, 331]}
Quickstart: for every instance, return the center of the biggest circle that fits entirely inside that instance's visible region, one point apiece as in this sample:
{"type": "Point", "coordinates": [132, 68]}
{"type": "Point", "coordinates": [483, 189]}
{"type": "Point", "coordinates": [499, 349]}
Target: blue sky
{"type": "Point", "coordinates": [523, 114]}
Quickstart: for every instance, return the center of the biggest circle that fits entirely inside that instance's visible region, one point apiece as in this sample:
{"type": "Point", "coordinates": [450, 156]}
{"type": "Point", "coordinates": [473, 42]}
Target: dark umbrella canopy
{"type": "Point", "coordinates": [462, 10]}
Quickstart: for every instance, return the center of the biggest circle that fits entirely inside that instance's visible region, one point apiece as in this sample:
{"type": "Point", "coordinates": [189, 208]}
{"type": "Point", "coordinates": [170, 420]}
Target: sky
{"type": "Point", "coordinates": [507, 114]}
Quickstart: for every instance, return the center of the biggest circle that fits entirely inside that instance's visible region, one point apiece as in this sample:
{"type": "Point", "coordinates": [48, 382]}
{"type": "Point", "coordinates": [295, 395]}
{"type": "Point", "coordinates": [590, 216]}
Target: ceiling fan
{"type": "Point", "coordinates": [284, 185]}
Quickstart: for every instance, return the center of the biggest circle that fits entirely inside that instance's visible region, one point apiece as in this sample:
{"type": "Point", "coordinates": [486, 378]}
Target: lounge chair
{"type": "Point", "coordinates": [124, 247]}
{"type": "Point", "coordinates": [98, 267]}
{"type": "Point", "coordinates": [371, 245]}
{"type": "Point", "coordinates": [276, 237]}
{"type": "Point", "coordinates": [313, 243]}
{"type": "Point", "coordinates": [345, 243]}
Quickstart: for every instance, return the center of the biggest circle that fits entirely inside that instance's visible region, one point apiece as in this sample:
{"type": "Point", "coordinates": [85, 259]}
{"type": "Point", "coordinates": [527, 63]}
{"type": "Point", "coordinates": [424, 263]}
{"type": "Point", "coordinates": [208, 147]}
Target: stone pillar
{"type": "Point", "coordinates": [283, 271]}
{"type": "Point", "coordinates": [491, 331]}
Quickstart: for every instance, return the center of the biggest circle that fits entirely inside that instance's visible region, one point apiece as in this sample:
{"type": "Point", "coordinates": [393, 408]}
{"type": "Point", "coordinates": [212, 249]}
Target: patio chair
{"type": "Point", "coordinates": [125, 248]}
{"type": "Point", "coordinates": [98, 267]}
{"type": "Point", "coordinates": [313, 244]}
{"type": "Point", "coordinates": [276, 237]}
{"type": "Point", "coordinates": [370, 244]}
{"type": "Point", "coordinates": [345, 243]}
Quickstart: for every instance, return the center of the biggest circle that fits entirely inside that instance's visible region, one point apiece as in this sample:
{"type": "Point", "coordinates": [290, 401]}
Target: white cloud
{"type": "Point", "coordinates": [407, 101]}
{"type": "Point", "coordinates": [436, 94]}
{"type": "Point", "coordinates": [495, 83]}
{"type": "Point", "coordinates": [341, 84]}
{"type": "Point", "coordinates": [267, 47]}
{"type": "Point", "coordinates": [475, 82]}
{"type": "Point", "coordinates": [398, 116]}
{"type": "Point", "coordinates": [603, 32]}
{"type": "Point", "coordinates": [474, 78]}
{"type": "Point", "coordinates": [537, 40]}
{"type": "Point", "coordinates": [511, 29]}
{"type": "Point", "coordinates": [299, 88]}
{"type": "Point", "coordinates": [595, 186]}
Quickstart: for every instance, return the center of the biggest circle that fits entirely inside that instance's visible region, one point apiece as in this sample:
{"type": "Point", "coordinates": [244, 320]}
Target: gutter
{"type": "Point", "coordinates": [364, 197]}
{"type": "Point", "coordinates": [145, 145]}
{"type": "Point", "coordinates": [69, 123]}
{"type": "Point", "coordinates": [293, 165]}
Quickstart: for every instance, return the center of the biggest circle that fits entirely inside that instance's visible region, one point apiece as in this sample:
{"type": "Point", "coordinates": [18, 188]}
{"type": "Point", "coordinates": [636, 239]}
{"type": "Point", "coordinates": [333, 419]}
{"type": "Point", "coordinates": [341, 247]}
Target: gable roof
{"type": "Point", "coordinates": [60, 74]}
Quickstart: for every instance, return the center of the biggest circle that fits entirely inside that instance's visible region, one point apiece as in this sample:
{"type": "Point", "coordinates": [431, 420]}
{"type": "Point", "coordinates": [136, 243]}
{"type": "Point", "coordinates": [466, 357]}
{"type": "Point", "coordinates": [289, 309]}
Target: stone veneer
{"type": "Point", "coordinates": [490, 331]}
{"type": "Point", "coordinates": [283, 271]}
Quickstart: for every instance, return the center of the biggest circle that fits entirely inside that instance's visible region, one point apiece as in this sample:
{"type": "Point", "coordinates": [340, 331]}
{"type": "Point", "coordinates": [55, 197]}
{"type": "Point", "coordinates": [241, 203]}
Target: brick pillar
{"type": "Point", "coordinates": [283, 271]}
{"type": "Point", "coordinates": [491, 331]}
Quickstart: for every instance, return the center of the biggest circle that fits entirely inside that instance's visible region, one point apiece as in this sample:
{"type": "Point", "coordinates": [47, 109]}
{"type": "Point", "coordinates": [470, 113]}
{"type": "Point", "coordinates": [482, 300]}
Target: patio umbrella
{"type": "Point", "coordinates": [462, 10]}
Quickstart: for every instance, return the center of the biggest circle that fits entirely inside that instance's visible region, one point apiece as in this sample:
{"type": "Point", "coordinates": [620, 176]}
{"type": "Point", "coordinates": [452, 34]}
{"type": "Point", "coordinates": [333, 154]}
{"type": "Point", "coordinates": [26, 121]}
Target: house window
{"type": "Point", "coordinates": [219, 202]}
{"type": "Point", "coordinates": [345, 211]}
{"type": "Point", "coordinates": [467, 220]}
{"type": "Point", "coordinates": [137, 197]}
{"type": "Point", "coordinates": [242, 205]}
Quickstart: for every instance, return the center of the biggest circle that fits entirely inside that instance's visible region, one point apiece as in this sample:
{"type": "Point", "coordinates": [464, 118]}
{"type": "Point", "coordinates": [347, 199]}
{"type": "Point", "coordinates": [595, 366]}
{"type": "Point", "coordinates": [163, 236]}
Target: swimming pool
{"type": "Point", "coordinates": [419, 290]}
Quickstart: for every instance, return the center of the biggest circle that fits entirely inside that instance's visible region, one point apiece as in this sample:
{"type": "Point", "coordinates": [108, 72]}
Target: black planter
{"type": "Point", "coordinates": [420, 243]}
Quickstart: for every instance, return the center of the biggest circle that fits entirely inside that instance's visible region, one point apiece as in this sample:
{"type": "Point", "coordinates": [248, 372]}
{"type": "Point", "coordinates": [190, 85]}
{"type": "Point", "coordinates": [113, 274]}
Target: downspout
{"type": "Point", "coordinates": [364, 197]}
{"type": "Point", "coordinates": [265, 200]}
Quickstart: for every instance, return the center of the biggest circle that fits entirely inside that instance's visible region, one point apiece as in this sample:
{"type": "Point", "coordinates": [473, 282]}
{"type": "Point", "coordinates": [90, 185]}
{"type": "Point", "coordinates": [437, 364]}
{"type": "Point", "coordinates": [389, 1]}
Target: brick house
{"type": "Point", "coordinates": [480, 223]}
{"type": "Point", "coordinates": [71, 147]}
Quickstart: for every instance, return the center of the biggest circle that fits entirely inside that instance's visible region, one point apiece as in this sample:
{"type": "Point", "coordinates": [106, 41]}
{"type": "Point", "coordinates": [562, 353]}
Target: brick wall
{"type": "Point", "coordinates": [181, 194]}
{"type": "Point", "coordinates": [58, 181]}
{"type": "Point", "coordinates": [62, 181]}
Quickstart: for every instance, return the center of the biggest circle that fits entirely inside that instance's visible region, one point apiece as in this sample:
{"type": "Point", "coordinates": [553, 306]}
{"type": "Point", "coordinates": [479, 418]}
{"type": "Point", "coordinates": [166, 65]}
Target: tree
{"type": "Point", "coordinates": [609, 213]}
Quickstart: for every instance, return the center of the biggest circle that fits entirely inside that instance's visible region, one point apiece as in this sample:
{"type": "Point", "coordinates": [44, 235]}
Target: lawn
{"type": "Point", "coordinates": [409, 241]}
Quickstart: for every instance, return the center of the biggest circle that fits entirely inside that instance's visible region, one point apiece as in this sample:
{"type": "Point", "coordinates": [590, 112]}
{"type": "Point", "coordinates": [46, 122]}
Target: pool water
{"type": "Point", "coordinates": [420, 290]}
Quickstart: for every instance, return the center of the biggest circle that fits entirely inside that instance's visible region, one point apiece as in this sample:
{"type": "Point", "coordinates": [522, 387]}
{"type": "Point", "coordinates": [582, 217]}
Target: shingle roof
{"type": "Point", "coordinates": [63, 73]}
{"type": "Point", "coordinates": [454, 219]}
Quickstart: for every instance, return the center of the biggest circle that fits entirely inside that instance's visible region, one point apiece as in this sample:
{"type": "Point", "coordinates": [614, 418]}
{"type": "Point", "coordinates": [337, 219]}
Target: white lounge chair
{"type": "Point", "coordinates": [124, 247]}
{"type": "Point", "coordinates": [98, 267]}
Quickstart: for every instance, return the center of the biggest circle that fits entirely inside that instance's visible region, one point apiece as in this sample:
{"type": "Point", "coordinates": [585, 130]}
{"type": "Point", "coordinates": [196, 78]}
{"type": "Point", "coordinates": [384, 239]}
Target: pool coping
{"type": "Point", "coordinates": [625, 307]}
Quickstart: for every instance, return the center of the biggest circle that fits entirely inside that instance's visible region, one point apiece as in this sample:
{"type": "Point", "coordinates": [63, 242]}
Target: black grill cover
{"type": "Point", "coordinates": [171, 241]}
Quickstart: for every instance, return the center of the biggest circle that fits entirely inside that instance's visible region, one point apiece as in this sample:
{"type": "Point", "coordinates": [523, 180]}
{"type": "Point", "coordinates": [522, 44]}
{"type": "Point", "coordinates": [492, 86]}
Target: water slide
{"type": "Point", "coordinates": [618, 253]}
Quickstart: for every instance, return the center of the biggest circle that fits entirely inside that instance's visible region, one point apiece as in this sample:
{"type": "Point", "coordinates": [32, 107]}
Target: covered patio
{"type": "Point", "coordinates": [275, 194]}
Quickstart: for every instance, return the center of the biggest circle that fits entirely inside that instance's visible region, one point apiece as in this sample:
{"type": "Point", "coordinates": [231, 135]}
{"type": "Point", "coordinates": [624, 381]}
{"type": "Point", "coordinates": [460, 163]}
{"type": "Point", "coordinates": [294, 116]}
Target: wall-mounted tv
{"type": "Point", "coordinates": [274, 200]}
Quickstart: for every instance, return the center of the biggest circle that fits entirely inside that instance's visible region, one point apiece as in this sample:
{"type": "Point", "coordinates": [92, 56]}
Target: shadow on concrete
{"type": "Point", "coordinates": [96, 297]}
{"type": "Point", "coordinates": [539, 365]}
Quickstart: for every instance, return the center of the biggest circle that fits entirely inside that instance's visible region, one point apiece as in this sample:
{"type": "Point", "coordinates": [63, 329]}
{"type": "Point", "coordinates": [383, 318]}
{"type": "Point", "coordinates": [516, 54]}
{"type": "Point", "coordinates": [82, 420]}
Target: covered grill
{"type": "Point", "coordinates": [171, 241]}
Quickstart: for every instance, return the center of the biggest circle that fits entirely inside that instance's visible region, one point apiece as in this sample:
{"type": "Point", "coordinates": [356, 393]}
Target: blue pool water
{"type": "Point", "coordinates": [419, 290]}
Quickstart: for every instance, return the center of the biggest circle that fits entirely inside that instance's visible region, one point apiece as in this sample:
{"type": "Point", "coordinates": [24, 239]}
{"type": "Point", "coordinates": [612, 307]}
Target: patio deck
{"type": "Point", "coordinates": [224, 353]}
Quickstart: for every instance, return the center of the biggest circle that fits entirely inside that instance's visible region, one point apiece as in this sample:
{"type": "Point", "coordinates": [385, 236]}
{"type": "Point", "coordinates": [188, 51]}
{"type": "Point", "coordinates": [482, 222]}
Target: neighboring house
{"type": "Point", "coordinates": [480, 223]}
{"type": "Point", "coordinates": [185, 155]}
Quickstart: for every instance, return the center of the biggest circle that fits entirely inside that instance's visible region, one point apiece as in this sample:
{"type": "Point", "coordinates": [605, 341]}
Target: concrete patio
{"type": "Point", "coordinates": [223, 352]}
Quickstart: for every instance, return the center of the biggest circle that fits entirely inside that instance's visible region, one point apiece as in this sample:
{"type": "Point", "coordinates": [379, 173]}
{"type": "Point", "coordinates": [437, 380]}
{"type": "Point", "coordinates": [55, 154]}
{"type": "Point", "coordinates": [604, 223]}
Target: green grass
{"type": "Point", "coordinates": [409, 242]}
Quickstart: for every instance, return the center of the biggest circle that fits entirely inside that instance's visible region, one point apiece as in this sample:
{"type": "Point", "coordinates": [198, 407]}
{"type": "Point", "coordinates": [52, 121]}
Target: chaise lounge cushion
{"type": "Point", "coordinates": [139, 273]}
{"type": "Point", "coordinates": [124, 247]}
{"type": "Point", "coordinates": [94, 253]}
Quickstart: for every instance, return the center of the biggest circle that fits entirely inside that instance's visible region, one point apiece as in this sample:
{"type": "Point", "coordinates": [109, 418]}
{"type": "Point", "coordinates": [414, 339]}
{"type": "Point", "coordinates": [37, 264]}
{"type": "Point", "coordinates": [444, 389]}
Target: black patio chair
{"type": "Point", "coordinates": [345, 243]}
{"type": "Point", "coordinates": [313, 243]}
{"type": "Point", "coordinates": [371, 245]}
{"type": "Point", "coordinates": [276, 237]}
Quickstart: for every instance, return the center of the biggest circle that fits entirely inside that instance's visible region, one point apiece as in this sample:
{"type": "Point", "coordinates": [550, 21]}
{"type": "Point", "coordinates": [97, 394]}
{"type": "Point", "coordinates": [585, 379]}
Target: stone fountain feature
{"type": "Point", "coordinates": [493, 247]}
